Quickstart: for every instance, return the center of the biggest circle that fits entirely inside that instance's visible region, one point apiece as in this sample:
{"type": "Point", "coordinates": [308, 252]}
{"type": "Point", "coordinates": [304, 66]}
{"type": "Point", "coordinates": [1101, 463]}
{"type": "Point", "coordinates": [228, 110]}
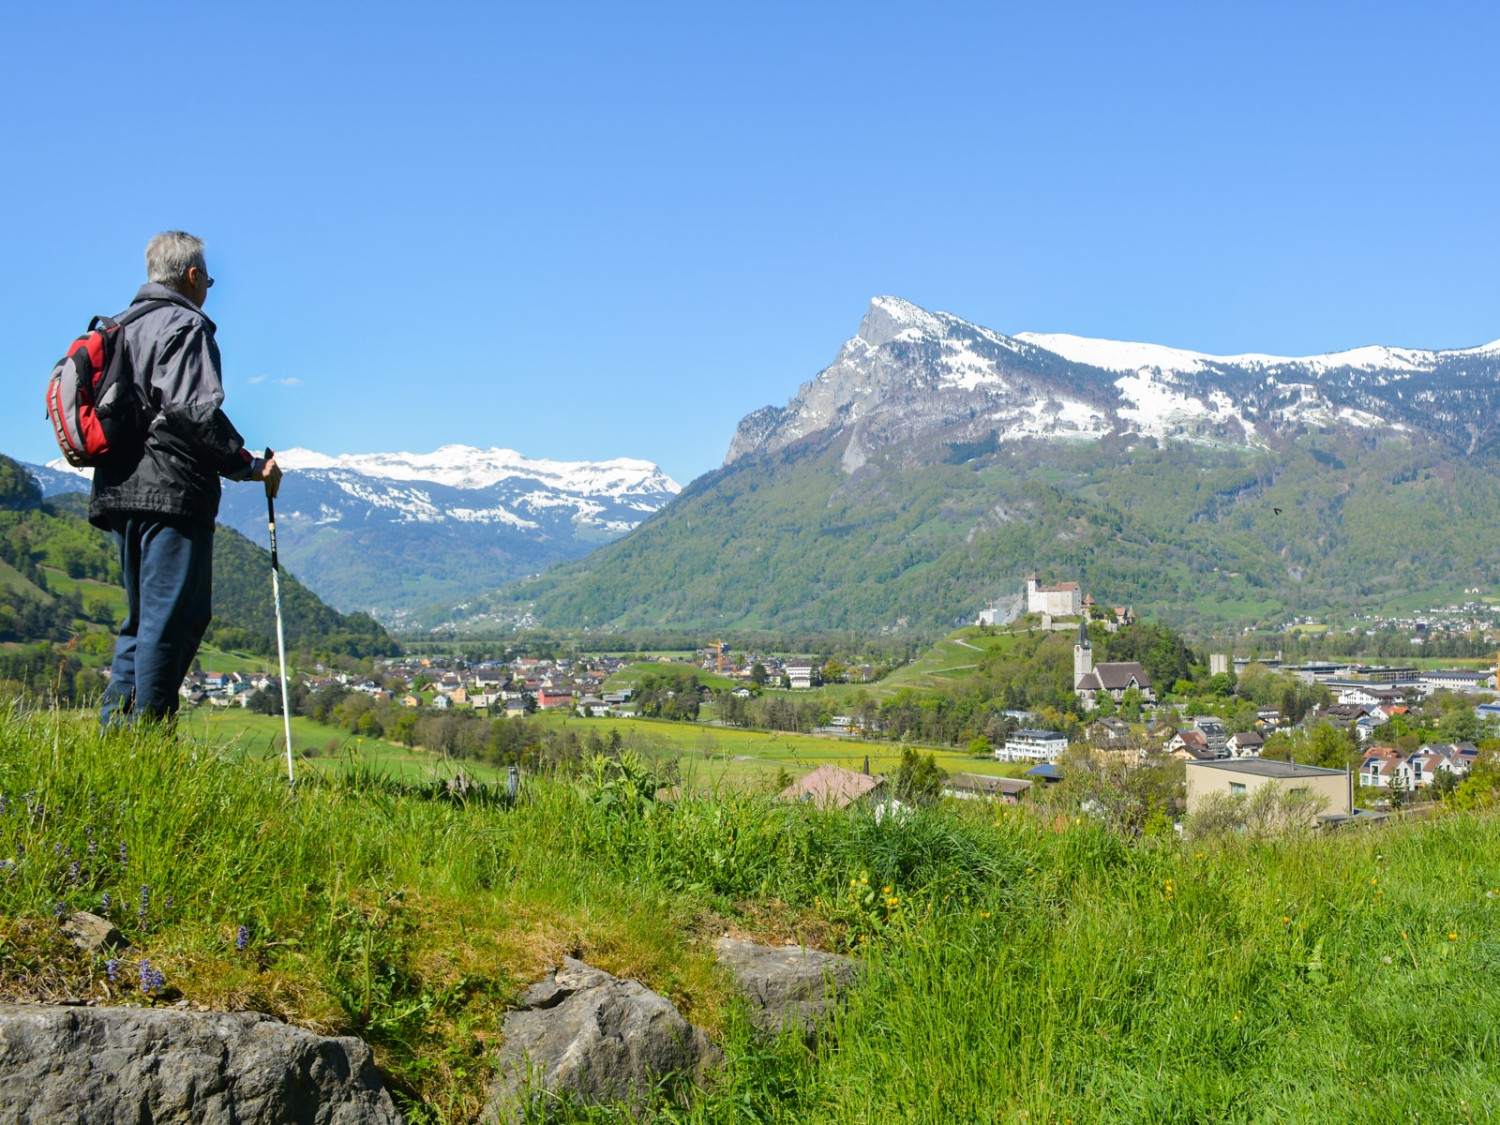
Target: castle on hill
{"type": "Point", "coordinates": [1064, 599]}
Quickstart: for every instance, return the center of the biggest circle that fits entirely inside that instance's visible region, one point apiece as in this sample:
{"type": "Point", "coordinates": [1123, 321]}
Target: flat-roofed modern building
{"type": "Point", "coordinates": [1244, 776]}
{"type": "Point", "coordinates": [1033, 746]}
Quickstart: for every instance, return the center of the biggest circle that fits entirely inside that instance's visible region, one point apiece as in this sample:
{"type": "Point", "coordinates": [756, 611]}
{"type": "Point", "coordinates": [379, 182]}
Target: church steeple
{"type": "Point", "coordinates": [1083, 654]}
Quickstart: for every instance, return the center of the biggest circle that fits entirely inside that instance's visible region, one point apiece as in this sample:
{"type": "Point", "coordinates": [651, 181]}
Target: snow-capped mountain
{"type": "Point", "coordinates": [910, 373]}
{"type": "Point", "coordinates": [388, 532]}
{"type": "Point", "coordinates": [468, 485]}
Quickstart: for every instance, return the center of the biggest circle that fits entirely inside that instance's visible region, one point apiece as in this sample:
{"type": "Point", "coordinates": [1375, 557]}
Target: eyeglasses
{"type": "Point", "coordinates": [209, 284]}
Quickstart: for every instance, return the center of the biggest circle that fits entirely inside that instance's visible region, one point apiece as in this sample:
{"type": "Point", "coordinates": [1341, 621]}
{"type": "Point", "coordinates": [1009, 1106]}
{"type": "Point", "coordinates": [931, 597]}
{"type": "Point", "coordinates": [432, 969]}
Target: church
{"type": "Point", "coordinates": [1113, 679]}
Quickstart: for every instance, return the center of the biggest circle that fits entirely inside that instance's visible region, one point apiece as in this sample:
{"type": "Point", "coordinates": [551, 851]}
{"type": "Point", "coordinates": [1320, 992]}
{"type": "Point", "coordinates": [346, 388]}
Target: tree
{"type": "Point", "coordinates": [919, 780]}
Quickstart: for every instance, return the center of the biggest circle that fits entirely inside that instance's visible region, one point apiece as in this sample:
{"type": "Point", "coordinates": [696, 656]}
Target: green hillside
{"type": "Point", "coordinates": [1188, 534]}
{"type": "Point", "coordinates": [59, 583]}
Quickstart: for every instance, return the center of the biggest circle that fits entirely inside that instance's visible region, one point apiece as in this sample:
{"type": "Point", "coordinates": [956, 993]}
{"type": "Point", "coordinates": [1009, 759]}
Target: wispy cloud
{"type": "Point", "coordinates": [254, 379]}
{"type": "Point", "coordinates": [291, 381]}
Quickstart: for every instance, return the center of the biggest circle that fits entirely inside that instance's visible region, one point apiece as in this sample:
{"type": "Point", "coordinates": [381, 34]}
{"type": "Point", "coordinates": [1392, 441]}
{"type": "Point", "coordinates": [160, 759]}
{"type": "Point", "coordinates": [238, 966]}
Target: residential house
{"type": "Point", "coordinates": [829, 787]}
{"type": "Point", "coordinates": [550, 699]}
{"type": "Point", "coordinates": [1378, 767]}
{"type": "Point", "coordinates": [1245, 744]}
{"type": "Point", "coordinates": [1049, 773]}
{"type": "Point", "coordinates": [591, 706]}
{"type": "Point", "coordinates": [1108, 733]}
{"type": "Point", "coordinates": [1246, 776]}
{"type": "Point", "coordinates": [971, 786]}
{"type": "Point", "coordinates": [1191, 746]}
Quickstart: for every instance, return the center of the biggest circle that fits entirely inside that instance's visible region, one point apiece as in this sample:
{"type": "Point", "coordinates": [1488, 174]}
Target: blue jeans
{"type": "Point", "coordinates": [167, 569]}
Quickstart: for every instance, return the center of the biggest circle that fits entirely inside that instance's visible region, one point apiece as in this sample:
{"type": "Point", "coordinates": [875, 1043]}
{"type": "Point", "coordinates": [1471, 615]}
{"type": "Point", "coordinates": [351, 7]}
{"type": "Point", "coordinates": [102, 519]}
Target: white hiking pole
{"type": "Point", "coordinates": [286, 707]}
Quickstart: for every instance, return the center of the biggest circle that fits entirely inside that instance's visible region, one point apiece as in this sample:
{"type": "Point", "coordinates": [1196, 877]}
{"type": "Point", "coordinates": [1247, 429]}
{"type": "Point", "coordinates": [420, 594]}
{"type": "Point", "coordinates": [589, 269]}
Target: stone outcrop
{"type": "Point", "coordinates": [113, 1066]}
{"type": "Point", "coordinates": [91, 933]}
{"type": "Point", "coordinates": [586, 1036]}
{"type": "Point", "coordinates": [787, 985]}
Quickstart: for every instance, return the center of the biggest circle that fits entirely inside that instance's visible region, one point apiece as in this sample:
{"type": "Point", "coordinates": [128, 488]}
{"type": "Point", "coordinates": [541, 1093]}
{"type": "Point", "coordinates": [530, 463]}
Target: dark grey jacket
{"type": "Point", "coordinates": [190, 443]}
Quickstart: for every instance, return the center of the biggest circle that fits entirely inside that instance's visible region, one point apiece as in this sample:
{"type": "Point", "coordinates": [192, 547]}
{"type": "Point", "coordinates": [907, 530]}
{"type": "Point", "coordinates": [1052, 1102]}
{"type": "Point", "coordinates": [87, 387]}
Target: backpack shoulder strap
{"type": "Point", "coordinates": [135, 312]}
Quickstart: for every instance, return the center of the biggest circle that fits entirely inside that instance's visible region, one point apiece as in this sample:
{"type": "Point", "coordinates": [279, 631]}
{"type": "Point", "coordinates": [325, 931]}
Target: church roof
{"type": "Point", "coordinates": [1116, 677]}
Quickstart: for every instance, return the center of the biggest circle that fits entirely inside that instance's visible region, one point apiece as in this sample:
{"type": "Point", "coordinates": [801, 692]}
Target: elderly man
{"type": "Point", "coordinates": [160, 502]}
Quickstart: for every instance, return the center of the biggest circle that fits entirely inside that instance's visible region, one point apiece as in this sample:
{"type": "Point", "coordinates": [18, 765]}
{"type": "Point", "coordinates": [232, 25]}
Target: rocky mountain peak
{"type": "Point", "coordinates": [930, 380]}
{"type": "Point", "coordinates": [891, 318]}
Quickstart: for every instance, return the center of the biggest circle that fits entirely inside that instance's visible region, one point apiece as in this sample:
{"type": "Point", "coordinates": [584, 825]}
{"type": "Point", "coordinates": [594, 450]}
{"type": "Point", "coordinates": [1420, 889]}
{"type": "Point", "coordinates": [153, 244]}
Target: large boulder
{"type": "Point", "coordinates": [587, 1037]}
{"type": "Point", "coordinates": [124, 1066]}
{"type": "Point", "coordinates": [788, 985]}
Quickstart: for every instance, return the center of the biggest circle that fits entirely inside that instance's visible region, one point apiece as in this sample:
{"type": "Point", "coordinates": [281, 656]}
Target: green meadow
{"type": "Point", "coordinates": [1017, 967]}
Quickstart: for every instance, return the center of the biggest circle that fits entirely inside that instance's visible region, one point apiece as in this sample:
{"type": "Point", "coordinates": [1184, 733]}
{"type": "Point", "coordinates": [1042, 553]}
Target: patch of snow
{"type": "Point", "coordinates": [1118, 355]}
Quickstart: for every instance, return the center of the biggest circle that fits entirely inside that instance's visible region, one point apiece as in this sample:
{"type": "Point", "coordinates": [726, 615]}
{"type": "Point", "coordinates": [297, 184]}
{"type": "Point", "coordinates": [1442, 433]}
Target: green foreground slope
{"type": "Point", "coordinates": [1019, 968]}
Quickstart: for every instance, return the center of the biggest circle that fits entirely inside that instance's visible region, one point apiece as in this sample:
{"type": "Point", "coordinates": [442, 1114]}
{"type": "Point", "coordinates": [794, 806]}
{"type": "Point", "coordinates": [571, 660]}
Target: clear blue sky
{"type": "Point", "coordinates": [597, 230]}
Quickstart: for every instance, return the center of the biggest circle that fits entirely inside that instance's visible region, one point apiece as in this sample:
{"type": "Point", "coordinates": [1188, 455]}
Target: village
{"type": "Point", "coordinates": [1124, 716]}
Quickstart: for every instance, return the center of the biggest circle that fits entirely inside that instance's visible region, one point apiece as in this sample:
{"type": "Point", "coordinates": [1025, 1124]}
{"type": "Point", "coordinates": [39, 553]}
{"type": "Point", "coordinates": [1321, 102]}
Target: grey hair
{"type": "Point", "coordinates": [171, 254]}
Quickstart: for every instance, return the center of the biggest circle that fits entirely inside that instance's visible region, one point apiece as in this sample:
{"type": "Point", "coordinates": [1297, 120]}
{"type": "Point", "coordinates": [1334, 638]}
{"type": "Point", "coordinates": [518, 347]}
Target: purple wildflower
{"type": "Point", "coordinates": [152, 979]}
{"type": "Point", "coordinates": [112, 970]}
{"type": "Point", "coordinates": [124, 855]}
{"type": "Point", "coordinates": [145, 906]}
{"type": "Point", "coordinates": [73, 872]}
{"type": "Point", "coordinates": [60, 911]}
{"type": "Point", "coordinates": [242, 939]}
{"type": "Point", "coordinates": [104, 902]}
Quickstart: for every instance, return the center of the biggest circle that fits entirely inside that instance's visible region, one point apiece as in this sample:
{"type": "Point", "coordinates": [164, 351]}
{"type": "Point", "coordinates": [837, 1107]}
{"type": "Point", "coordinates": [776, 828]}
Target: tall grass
{"type": "Point", "coordinates": [1017, 968]}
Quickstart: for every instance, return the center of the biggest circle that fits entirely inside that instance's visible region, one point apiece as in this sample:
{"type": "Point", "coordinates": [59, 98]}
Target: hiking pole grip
{"type": "Point", "coordinates": [271, 514]}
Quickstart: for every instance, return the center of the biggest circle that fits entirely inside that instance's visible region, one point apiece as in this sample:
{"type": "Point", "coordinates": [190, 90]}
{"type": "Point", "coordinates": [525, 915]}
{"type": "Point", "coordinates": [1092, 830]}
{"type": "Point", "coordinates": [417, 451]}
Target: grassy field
{"type": "Point", "coordinates": [107, 593]}
{"type": "Point", "coordinates": [631, 674]}
{"type": "Point", "coordinates": [1018, 967]}
{"type": "Point", "coordinates": [708, 754]}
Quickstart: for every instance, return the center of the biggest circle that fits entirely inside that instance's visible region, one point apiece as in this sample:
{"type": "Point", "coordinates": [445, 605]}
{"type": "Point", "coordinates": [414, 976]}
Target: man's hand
{"type": "Point", "coordinates": [270, 472]}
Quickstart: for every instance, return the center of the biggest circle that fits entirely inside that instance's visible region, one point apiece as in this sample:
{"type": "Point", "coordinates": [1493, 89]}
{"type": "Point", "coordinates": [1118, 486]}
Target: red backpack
{"type": "Point", "coordinates": [92, 400]}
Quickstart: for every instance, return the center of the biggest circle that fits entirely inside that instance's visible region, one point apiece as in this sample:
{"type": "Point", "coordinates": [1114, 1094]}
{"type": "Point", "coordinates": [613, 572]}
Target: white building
{"type": "Point", "coordinates": [1033, 746]}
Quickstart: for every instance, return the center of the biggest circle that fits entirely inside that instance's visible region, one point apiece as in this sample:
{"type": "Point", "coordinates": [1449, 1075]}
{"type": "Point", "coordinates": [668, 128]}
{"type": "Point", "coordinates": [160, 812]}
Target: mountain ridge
{"type": "Point", "coordinates": [915, 368]}
{"type": "Point", "coordinates": [384, 533]}
{"type": "Point", "coordinates": [935, 462]}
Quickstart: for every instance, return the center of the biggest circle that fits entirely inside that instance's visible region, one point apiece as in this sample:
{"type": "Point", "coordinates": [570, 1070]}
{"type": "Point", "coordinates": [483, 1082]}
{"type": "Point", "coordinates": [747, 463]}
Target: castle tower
{"type": "Point", "coordinates": [1083, 655]}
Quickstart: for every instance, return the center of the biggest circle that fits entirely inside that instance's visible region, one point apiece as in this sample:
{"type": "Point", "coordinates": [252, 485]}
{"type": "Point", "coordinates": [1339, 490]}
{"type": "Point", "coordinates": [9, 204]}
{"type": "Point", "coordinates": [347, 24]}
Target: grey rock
{"type": "Point", "coordinates": [126, 1066]}
{"type": "Point", "coordinates": [787, 985]}
{"type": "Point", "coordinates": [93, 934]}
{"type": "Point", "coordinates": [588, 1037]}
